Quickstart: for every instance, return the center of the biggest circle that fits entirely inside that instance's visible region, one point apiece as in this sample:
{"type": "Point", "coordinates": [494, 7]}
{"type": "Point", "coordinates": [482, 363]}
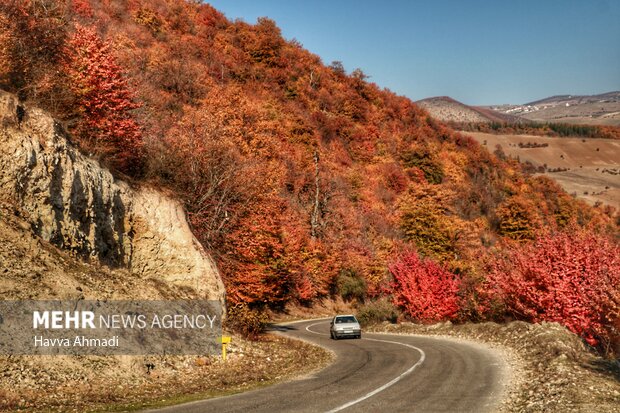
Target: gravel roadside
{"type": "Point", "coordinates": [124, 383]}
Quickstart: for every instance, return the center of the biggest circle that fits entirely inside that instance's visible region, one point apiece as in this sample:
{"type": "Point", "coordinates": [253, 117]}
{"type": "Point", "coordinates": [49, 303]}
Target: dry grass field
{"type": "Point", "coordinates": [587, 168]}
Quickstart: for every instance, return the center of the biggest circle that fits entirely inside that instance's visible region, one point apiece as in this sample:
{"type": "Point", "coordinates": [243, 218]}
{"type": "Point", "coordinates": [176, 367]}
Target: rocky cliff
{"type": "Point", "coordinates": [73, 203]}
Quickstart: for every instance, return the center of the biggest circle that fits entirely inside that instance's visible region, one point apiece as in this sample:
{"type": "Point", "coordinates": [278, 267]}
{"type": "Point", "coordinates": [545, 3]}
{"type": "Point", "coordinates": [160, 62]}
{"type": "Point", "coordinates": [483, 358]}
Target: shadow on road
{"type": "Point", "coordinates": [278, 327]}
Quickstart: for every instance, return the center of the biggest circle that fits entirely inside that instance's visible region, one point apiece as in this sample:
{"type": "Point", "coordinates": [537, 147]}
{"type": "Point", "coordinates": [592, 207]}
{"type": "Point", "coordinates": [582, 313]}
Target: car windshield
{"type": "Point", "coordinates": [347, 319]}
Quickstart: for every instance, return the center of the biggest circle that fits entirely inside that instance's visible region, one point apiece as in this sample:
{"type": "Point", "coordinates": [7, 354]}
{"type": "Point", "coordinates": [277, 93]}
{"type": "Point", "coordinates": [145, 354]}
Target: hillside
{"type": "Point", "coordinates": [301, 180]}
{"type": "Point", "coordinates": [602, 109]}
{"type": "Point", "coordinates": [589, 169]}
{"type": "Point", "coordinates": [446, 109]}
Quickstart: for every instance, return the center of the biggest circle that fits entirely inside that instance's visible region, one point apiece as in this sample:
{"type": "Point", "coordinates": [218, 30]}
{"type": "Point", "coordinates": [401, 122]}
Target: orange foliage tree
{"type": "Point", "coordinates": [32, 36]}
{"type": "Point", "coordinates": [518, 219]}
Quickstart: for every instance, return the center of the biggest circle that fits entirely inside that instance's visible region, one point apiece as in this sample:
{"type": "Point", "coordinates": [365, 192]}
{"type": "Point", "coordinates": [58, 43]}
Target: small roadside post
{"type": "Point", "coordinates": [225, 340]}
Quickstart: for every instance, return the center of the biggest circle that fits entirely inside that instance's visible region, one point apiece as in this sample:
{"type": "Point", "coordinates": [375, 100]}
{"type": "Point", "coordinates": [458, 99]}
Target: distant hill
{"type": "Point", "coordinates": [576, 99]}
{"type": "Point", "coordinates": [602, 109]}
{"type": "Point", "coordinates": [446, 109]}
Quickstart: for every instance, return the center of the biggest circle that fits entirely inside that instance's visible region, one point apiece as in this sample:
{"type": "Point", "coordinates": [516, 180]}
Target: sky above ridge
{"type": "Point", "coordinates": [480, 52]}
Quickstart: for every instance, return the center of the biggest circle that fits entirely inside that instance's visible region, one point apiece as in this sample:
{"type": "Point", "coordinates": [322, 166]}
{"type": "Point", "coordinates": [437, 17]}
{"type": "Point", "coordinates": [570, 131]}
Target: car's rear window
{"type": "Point", "coordinates": [347, 319]}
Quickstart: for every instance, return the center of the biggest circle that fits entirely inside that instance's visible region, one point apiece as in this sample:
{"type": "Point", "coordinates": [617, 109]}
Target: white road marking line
{"type": "Point", "coordinates": [316, 332]}
{"type": "Point", "coordinates": [386, 385]}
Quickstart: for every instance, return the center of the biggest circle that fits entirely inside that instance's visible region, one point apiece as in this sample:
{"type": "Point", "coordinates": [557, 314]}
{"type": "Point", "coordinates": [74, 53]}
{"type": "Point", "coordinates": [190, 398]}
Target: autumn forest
{"type": "Point", "coordinates": [306, 181]}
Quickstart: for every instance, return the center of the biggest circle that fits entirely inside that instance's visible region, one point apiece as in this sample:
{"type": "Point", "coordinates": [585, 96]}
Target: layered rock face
{"type": "Point", "coordinates": [77, 205]}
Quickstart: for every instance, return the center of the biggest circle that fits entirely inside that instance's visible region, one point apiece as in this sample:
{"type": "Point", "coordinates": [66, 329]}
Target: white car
{"type": "Point", "coordinates": [345, 326]}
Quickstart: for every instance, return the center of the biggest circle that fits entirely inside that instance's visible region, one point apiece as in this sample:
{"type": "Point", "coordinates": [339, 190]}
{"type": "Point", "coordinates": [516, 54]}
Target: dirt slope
{"type": "Point", "coordinates": [75, 204]}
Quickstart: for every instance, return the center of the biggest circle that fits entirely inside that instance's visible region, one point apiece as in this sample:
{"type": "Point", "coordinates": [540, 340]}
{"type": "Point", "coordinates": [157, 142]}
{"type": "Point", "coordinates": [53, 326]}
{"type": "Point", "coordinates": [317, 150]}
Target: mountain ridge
{"type": "Point", "coordinates": [614, 95]}
{"type": "Point", "coordinates": [600, 109]}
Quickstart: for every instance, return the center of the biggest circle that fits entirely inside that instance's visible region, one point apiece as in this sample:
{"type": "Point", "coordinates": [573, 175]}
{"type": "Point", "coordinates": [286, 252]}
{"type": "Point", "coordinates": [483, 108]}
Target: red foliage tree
{"type": "Point", "coordinates": [423, 289]}
{"type": "Point", "coordinates": [104, 101]}
{"type": "Point", "coordinates": [572, 278]}
{"type": "Point", "coordinates": [82, 8]}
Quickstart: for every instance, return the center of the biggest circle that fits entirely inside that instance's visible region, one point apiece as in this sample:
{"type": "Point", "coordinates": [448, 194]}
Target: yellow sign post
{"type": "Point", "coordinates": [225, 340]}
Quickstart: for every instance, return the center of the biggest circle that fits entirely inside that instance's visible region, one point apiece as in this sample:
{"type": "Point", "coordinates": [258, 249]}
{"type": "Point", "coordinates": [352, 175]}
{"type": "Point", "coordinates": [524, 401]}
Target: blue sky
{"type": "Point", "coordinates": [476, 51]}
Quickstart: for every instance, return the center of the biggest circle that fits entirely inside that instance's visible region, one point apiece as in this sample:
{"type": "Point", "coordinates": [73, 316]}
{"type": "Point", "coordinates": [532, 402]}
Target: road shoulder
{"type": "Point", "coordinates": [549, 368]}
{"type": "Point", "coordinates": [123, 383]}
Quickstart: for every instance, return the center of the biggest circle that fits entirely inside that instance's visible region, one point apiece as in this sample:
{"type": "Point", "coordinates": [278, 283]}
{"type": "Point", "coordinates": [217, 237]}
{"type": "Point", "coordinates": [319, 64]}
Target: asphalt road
{"type": "Point", "coordinates": [380, 372]}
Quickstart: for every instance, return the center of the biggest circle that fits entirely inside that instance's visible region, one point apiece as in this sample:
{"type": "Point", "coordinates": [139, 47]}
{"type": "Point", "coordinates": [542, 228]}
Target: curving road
{"type": "Point", "coordinates": [379, 372]}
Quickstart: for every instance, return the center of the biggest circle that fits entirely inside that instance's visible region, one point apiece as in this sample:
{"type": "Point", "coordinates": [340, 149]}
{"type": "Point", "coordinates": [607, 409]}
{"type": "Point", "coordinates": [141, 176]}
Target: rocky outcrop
{"type": "Point", "coordinates": [74, 203]}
